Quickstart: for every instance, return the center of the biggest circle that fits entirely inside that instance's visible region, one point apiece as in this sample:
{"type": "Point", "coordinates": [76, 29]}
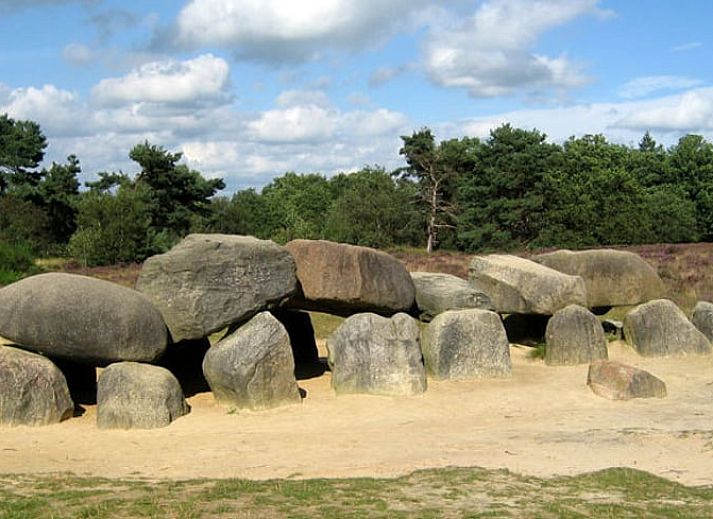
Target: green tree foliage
{"type": "Point", "coordinates": [246, 213]}
{"type": "Point", "coordinates": [22, 148]}
{"type": "Point", "coordinates": [57, 195]}
{"type": "Point", "coordinates": [502, 198]}
{"type": "Point", "coordinates": [374, 210]}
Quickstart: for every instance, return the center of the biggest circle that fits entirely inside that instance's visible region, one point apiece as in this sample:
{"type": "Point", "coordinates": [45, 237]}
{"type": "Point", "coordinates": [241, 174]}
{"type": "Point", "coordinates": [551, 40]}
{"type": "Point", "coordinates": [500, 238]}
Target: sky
{"type": "Point", "coordinates": [247, 90]}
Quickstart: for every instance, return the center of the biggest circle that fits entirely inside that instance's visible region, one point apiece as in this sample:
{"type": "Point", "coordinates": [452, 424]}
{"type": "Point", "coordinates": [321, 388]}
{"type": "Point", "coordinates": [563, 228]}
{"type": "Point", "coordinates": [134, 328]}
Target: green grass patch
{"type": "Point", "coordinates": [325, 324]}
{"type": "Point", "coordinates": [437, 493]}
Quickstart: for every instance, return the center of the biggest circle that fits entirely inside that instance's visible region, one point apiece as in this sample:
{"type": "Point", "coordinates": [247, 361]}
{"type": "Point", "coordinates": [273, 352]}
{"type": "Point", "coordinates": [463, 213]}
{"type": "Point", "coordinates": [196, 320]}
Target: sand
{"type": "Point", "coordinates": [543, 421]}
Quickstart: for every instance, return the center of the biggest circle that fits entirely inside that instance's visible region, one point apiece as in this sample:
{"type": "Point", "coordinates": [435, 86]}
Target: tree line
{"type": "Point", "coordinates": [511, 190]}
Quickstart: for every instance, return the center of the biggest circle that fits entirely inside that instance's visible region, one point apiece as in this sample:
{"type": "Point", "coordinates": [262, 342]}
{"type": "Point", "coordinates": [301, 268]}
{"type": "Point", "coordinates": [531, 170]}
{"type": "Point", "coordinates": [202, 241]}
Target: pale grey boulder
{"type": "Point", "coordinates": [612, 277]}
{"type": "Point", "coordinates": [660, 329]}
{"type": "Point", "coordinates": [520, 286]}
{"type": "Point", "coordinates": [82, 319]}
{"type": "Point", "coordinates": [211, 281]}
{"type": "Point", "coordinates": [617, 381]}
{"type": "Point", "coordinates": [131, 395]}
{"type": "Point", "coordinates": [466, 344]}
{"type": "Point", "coordinates": [342, 279]}
{"type": "Point", "coordinates": [33, 391]}
{"type": "Point", "coordinates": [703, 318]}
{"type": "Point", "coordinates": [377, 355]}
{"type": "Point", "coordinates": [438, 293]}
{"type": "Point", "coordinates": [574, 336]}
{"type": "Point", "coordinates": [253, 368]}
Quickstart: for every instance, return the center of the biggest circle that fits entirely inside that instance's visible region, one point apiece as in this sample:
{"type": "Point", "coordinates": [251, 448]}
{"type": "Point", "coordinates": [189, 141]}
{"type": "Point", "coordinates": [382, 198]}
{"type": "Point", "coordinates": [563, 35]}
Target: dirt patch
{"type": "Point", "coordinates": [543, 421]}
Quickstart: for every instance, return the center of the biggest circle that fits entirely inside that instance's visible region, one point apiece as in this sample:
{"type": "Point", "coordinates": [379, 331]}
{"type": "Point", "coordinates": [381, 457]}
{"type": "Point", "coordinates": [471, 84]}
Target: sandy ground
{"type": "Point", "coordinates": [543, 421]}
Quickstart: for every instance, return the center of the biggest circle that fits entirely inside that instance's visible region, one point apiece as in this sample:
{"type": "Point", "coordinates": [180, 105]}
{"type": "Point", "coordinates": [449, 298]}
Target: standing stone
{"type": "Point", "coordinates": [346, 279]}
{"type": "Point", "coordinates": [438, 293]}
{"type": "Point", "coordinates": [138, 396]}
{"type": "Point", "coordinates": [617, 381]}
{"type": "Point", "coordinates": [520, 286]}
{"type": "Point", "coordinates": [82, 319]}
{"type": "Point", "coordinates": [612, 277]}
{"type": "Point", "coordinates": [33, 391]}
{"type": "Point", "coordinates": [703, 318]}
{"type": "Point", "coordinates": [660, 329]}
{"type": "Point", "coordinates": [377, 355]}
{"type": "Point", "coordinates": [211, 281]}
{"type": "Point", "coordinates": [253, 368]}
{"type": "Point", "coordinates": [574, 336]}
{"type": "Point", "coordinates": [466, 344]}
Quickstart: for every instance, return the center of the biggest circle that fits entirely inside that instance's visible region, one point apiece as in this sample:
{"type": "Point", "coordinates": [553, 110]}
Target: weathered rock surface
{"type": "Point", "coordinates": [617, 381]}
{"type": "Point", "coordinates": [81, 319]}
{"type": "Point", "coordinates": [466, 344]}
{"type": "Point", "coordinates": [660, 329]}
{"type": "Point", "coordinates": [346, 279]}
{"type": "Point", "coordinates": [612, 277]}
{"type": "Point", "coordinates": [377, 355]}
{"type": "Point", "coordinates": [33, 391]}
{"type": "Point", "coordinates": [211, 281]}
{"type": "Point", "coordinates": [519, 286]}
{"type": "Point", "coordinates": [253, 368]}
{"type": "Point", "coordinates": [438, 293]}
{"type": "Point", "coordinates": [574, 336]}
{"type": "Point", "coordinates": [131, 395]}
{"type": "Point", "coordinates": [703, 318]}
{"type": "Point", "coordinates": [301, 332]}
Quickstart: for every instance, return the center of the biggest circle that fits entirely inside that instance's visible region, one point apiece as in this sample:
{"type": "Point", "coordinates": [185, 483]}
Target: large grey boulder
{"type": "Point", "coordinates": [437, 293]}
{"type": "Point", "coordinates": [703, 318]}
{"type": "Point", "coordinates": [346, 279]}
{"type": "Point", "coordinates": [81, 319]}
{"type": "Point", "coordinates": [131, 395]}
{"type": "Point", "coordinates": [617, 381]}
{"type": "Point", "coordinates": [211, 281]}
{"type": "Point", "coordinates": [612, 277]}
{"type": "Point", "coordinates": [377, 355]}
{"type": "Point", "coordinates": [466, 344]}
{"type": "Point", "coordinates": [574, 336]}
{"type": "Point", "coordinates": [660, 329]}
{"type": "Point", "coordinates": [520, 286]}
{"type": "Point", "coordinates": [253, 368]}
{"type": "Point", "coordinates": [33, 391]}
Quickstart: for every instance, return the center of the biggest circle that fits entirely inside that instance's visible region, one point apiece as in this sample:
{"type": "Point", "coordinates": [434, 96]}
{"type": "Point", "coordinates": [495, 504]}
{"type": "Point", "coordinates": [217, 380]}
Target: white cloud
{"type": "Point", "coordinates": [691, 112]}
{"type": "Point", "coordinates": [203, 79]}
{"type": "Point", "coordinates": [295, 124]}
{"type": "Point", "coordinates": [78, 54]}
{"type": "Point", "coordinates": [643, 86]}
{"type": "Point", "coordinates": [489, 54]}
{"type": "Point", "coordinates": [285, 29]}
{"type": "Point", "coordinates": [687, 46]}
{"type": "Point", "coordinates": [58, 110]}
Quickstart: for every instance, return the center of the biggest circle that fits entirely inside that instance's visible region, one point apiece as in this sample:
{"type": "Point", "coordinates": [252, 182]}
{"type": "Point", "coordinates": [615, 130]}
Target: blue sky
{"type": "Point", "coordinates": [249, 89]}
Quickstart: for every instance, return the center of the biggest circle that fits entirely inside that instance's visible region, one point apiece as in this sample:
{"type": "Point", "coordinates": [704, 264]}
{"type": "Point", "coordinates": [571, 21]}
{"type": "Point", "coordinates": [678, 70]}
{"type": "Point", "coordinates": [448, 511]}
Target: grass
{"type": "Point", "coordinates": [438, 493]}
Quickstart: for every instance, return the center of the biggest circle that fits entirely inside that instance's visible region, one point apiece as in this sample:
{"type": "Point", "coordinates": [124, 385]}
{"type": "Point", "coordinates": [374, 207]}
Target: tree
{"type": "Point", "coordinates": [178, 193]}
{"type": "Point", "coordinates": [502, 198]}
{"type": "Point", "coordinates": [22, 146]}
{"type": "Point", "coordinates": [435, 169]}
{"type": "Point", "coordinates": [57, 195]}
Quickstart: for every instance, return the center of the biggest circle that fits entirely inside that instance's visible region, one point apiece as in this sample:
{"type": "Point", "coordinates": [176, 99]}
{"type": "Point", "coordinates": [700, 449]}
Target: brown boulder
{"type": "Point", "coordinates": [617, 381]}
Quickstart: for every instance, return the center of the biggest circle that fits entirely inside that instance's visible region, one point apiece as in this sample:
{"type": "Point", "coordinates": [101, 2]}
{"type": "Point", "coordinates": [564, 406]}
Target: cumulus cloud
{"type": "Point", "coordinates": [58, 110]}
{"type": "Point", "coordinates": [489, 53]}
{"type": "Point", "coordinates": [203, 79]}
{"type": "Point", "coordinates": [691, 111]}
{"type": "Point", "coordinates": [278, 30]}
{"type": "Point", "coordinates": [643, 86]}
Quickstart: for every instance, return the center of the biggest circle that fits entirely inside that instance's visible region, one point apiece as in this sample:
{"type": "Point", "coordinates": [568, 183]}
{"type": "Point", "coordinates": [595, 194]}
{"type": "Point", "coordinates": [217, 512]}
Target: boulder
{"type": "Point", "coordinates": [211, 281]}
{"type": "Point", "coordinates": [574, 336]}
{"type": "Point", "coordinates": [437, 293]}
{"type": "Point", "coordinates": [377, 355]}
{"type": "Point", "coordinates": [82, 319]}
{"type": "Point", "coordinates": [703, 318]}
{"type": "Point", "coordinates": [617, 381]}
{"type": "Point", "coordinates": [660, 329]}
{"type": "Point", "coordinates": [612, 277]}
{"type": "Point", "coordinates": [301, 332]}
{"type": "Point", "coordinates": [345, 279]}
{"type": "Point", "coordinates": [131, 395]}
{"type": "Point", "coordinates": [253, 368]}
{"type": "Point", "coordinates": [519, 286]}
{"type": "Point", "coordinates": [33, 391]}
{"type": "Point", "coordinates": [466, 344]}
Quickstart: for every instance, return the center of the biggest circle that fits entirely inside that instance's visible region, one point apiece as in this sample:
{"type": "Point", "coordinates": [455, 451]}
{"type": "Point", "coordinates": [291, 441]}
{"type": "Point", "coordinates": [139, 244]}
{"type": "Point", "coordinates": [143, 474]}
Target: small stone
{"type": "Point", "coordinates": [617, 381]}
